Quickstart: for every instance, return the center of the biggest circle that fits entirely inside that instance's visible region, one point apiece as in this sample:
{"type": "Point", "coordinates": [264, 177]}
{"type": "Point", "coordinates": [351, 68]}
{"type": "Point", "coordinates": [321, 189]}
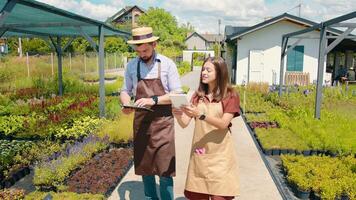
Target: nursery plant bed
{"type": "Point", "coordinates": [14, 177]}
{"type": "Point", "coordinates": [255, 124]}
{"type": "Point", "coordinates": [102, 173]}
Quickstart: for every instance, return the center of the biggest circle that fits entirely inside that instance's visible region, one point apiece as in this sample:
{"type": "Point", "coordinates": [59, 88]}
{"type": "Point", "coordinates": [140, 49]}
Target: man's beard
{"type": "Point", "coordinates": [146, 60]}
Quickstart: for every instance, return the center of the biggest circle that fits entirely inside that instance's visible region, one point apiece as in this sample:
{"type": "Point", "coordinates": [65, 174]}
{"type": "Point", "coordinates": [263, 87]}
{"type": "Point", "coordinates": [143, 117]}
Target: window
{"type": "Point", "coordinates": [295, 59]}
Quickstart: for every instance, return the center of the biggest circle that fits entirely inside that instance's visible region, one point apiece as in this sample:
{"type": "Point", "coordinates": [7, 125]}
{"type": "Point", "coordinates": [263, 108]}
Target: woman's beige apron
{"type": "Point", "coordinates": [154, 151]}
{"type": "Point", "coordinates": [215, 171]}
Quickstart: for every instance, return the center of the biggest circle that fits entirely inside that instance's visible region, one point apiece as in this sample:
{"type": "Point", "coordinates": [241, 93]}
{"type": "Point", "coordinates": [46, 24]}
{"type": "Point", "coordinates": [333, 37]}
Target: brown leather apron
{"type": "Point", "coordinates": [213, 172]}
{"type": "Point", "coordinates": [154, 149]}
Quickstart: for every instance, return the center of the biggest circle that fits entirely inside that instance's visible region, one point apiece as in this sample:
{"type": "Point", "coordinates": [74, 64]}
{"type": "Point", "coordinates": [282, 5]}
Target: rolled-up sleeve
{"type": "Point", "coordinates": [128, 82]}
{"type": "Point", "coordinates": [174, 83]}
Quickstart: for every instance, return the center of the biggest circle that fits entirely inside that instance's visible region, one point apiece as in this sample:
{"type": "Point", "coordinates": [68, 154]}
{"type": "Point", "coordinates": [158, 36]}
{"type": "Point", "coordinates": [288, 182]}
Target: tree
{"type": "Point", "coordinates": [166, 27]}
{"type": "Point", "coordinates": [115, 44]}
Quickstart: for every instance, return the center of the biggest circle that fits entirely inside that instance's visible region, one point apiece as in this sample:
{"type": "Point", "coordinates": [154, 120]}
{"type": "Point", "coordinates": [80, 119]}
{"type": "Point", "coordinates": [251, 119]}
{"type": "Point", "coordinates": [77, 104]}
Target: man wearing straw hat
{"type": "Point", "coordinates": [149, 78]}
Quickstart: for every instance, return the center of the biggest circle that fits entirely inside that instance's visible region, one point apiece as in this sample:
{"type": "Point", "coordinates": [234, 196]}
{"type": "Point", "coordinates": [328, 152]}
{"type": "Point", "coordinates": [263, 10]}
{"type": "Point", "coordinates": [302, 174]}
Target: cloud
{"type": "Point", "coordinates": [98, 11]}
{"type": "Point", "coordinates": [204, 15]}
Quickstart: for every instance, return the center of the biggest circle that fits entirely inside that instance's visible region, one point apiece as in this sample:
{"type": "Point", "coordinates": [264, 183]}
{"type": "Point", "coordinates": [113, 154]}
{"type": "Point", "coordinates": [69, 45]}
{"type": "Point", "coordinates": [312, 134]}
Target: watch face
{"type": "Point", "coordinates": [202, 117]}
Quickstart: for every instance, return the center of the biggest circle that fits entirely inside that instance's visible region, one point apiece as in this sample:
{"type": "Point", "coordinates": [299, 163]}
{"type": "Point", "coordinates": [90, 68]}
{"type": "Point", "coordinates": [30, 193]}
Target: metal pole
{"type": "Point", "coordinates": [319, 86]}
{"type": "Point", "coordinates": [59, 56]}
{"type": "Point", "coordinates": [28, 65]}
{"type": "Point", "coordinates": [70, 61]}
{"type": "Point", "coordinates": [107, 60]}
{"type": "Point", "coordinates": [52, 63]}
{"type": "Point", "coordinates": [20, 47]}
{"type": "Point", "coordinates": [115, 60]}
{"type": "Point", "coordinates": [85, 63]}
{"type": "Point", "coordinates": [219, 22]}
{"type": "Point", "coordinates": [97, 61]}
{"type": "Point", "coordinates": [281, 70]}
{"type": "Point", "coordinates": [101, 73]}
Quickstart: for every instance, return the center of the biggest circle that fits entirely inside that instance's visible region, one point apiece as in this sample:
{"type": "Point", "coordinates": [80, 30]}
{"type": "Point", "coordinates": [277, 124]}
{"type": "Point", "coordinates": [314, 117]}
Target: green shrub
{"type": "Point", "coordinates": [328, 177]}
{"type": "Point", "coordinates": [64, 196]}
{"type": "Point", "coordinates": [54, 172]}
{"type": "Point", "coordinates": [79, 128]}
{"type": "Point", "coordinates": [118, 130]}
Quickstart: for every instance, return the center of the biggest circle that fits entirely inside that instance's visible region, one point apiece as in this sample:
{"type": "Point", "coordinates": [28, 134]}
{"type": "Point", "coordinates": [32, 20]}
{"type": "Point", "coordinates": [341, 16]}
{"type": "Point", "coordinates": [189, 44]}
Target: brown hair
{"type": "Point", "coordinates": [223, 88]}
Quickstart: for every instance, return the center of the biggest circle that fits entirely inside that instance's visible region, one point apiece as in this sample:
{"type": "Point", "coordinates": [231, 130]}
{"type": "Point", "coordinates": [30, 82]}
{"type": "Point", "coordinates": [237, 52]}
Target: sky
{"type": "Point", "coordinates": [204, 14]}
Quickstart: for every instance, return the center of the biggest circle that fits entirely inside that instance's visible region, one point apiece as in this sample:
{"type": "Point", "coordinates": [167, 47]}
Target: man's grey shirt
{"type": "Point", "coordinates": [169, 74]}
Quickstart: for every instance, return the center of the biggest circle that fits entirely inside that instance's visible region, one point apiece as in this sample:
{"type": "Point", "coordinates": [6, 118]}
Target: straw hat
{"type": "Point", "coordinates": [142, 35]}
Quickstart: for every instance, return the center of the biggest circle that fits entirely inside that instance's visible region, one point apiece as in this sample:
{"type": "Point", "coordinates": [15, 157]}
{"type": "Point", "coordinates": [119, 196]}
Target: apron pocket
{"type": "Point", "coordinates": [217, 165]}
{"type": "Point", "coordinates": [199, 168]}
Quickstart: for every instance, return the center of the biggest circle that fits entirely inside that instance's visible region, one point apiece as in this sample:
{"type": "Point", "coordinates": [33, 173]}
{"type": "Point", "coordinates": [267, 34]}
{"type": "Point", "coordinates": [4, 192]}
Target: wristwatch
{"type": "Point", "coordinates": [155, 99]}
{"type": "Point", "coordinates": [202, 117]}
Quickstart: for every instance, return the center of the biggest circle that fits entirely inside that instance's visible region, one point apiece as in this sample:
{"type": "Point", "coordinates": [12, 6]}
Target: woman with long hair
{"type": "Point", "coordinates": [212, 171]}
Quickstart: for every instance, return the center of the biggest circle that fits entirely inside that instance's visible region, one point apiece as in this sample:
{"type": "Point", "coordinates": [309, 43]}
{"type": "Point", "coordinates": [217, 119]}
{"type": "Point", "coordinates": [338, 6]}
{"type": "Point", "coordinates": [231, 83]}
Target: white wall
{"type": "Point", "coordinates": [269, 40]}
{"type": "Point", "coordinates": [197, 42]}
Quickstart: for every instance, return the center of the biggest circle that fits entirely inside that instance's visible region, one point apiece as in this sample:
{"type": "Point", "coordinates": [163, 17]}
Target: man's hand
{"type": "Point", "coordinates": [127, 111]}
{"type": "Point", "coordinates": [145, 102]}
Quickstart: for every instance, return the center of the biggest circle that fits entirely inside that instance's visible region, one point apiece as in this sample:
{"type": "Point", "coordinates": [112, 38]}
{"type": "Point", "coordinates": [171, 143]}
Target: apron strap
{"type": "Point", "coordinates": [159, 68]}
{"type": "Point", "coordinates": [139, 69]}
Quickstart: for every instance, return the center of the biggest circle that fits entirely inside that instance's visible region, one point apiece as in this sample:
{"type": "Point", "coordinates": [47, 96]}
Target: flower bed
{"type": "Point", "coordinates": [63, 196]}
{"type": "Point", "coordinates": [294, 113]}
{"type": "Point", "coordinates": [12, 194]}
{"type": "Point", "coordinates": [323, 177]}
{"type": "Point", "coordinates": [102, 173]}
{"type": "Point", "coordinates": [52, 174]}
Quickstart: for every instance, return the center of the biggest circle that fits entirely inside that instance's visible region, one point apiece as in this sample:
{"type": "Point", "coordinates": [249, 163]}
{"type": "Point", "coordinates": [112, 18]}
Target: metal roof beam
{"type": "Point", "coordinates": [2, 31]}
{"type": "Point", "coordinates": [340, 19]}
{"type": "Point", "coordinates": [68, 43]}
{"type": "Point", "coordinates": [6, 10]}
{"type": "Point", "coordinates": [15, 30]}
{"type": "Point", "coordinates": [312, 28]}
{"type": "Point", "coordinates": [293, 45]}
{"type": "Point", "coordinates": [40, 25]}
{"type": "Point", "coordinates": [90, 39]}
{"type": "Point", "coordinates": [338, 40]}
{"type": "Point", "coordinates": [348, 25]}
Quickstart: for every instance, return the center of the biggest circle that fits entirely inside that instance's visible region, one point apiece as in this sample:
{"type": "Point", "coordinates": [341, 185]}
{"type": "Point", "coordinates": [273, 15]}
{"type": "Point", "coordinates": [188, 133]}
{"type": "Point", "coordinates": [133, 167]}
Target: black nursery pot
{"type": "Point", "coordinates": [315, 196]}
{"type": "Point", "coordinates": [314, 152]}
{"type": "Point", "coordinates": [291, 151]}
{"type": "Point", "coordinates": [276, 152]}
{"type": "Point", "coordinates": [306, 152]}
{"type": "Point", "coordinates": [27, 170]}
{"type": "Point", "coordinates": [268, 152]}
{"type": "Point", "coordinates": [344, 197]}
{"type": "Point", "coordinates": [303, 194]}
{"type": "Point", "coordinates": [9, 182]}
{"type": "Point", "coordinates": [284, 151]}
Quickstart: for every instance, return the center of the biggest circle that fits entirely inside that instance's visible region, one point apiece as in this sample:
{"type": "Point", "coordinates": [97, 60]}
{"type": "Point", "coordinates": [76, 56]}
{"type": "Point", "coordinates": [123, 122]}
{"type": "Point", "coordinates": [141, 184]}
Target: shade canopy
{"type": "Point", "coordinates": [28, 18]}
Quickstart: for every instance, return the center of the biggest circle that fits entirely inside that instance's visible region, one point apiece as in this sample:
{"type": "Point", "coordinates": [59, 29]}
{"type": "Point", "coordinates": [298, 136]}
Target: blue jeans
{"type": "Point", "coordinates": [165, 187]}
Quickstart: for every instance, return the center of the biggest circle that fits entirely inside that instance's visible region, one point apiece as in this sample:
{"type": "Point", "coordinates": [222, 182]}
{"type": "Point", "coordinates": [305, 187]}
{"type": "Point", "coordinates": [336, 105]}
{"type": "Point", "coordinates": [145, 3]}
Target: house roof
{"type": "Point", "coordinates": [124, 11]}
{"type": "Point", "coordinates": [207, 37]}
{"type": "Point", "coordinates": [233, 33]}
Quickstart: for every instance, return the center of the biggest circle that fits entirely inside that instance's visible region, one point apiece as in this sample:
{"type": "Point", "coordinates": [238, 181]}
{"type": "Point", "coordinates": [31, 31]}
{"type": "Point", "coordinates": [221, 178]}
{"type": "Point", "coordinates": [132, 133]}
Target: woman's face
{"type": "Point", "coordinates": [208, 74]}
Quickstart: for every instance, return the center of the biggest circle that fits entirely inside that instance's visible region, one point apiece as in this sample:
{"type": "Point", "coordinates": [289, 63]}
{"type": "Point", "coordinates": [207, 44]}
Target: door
{"type": "Point", "coordinates": [256, 65]}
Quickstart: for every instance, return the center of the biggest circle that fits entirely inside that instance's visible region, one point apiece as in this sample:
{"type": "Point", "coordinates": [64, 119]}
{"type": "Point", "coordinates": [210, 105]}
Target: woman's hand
{"type": "Point", "coordinates": [191, 111]}
{"type": "Point", "coordinates": [177, 112]}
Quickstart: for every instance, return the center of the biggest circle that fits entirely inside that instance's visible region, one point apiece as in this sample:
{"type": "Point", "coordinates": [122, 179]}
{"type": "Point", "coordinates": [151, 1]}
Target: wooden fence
{"type": "Point", "coordinates": [297, 78]}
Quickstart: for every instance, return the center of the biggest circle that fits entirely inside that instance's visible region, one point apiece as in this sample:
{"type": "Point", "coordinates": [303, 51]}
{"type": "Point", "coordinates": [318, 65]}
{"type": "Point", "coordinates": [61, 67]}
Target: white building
{"type": "Point", "coordinates": [253, 53]}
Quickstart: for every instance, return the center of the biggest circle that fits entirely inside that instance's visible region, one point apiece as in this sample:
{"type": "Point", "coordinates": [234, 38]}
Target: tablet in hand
{"type": "Point", "coordinates": [179, 100]}
{"type": "Point", "coordinates": [136, 107]}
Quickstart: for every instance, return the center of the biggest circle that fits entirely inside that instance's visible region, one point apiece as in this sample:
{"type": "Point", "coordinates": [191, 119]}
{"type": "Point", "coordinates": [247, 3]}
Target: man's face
{"type": "Point", "coordinates": [145, 51]}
